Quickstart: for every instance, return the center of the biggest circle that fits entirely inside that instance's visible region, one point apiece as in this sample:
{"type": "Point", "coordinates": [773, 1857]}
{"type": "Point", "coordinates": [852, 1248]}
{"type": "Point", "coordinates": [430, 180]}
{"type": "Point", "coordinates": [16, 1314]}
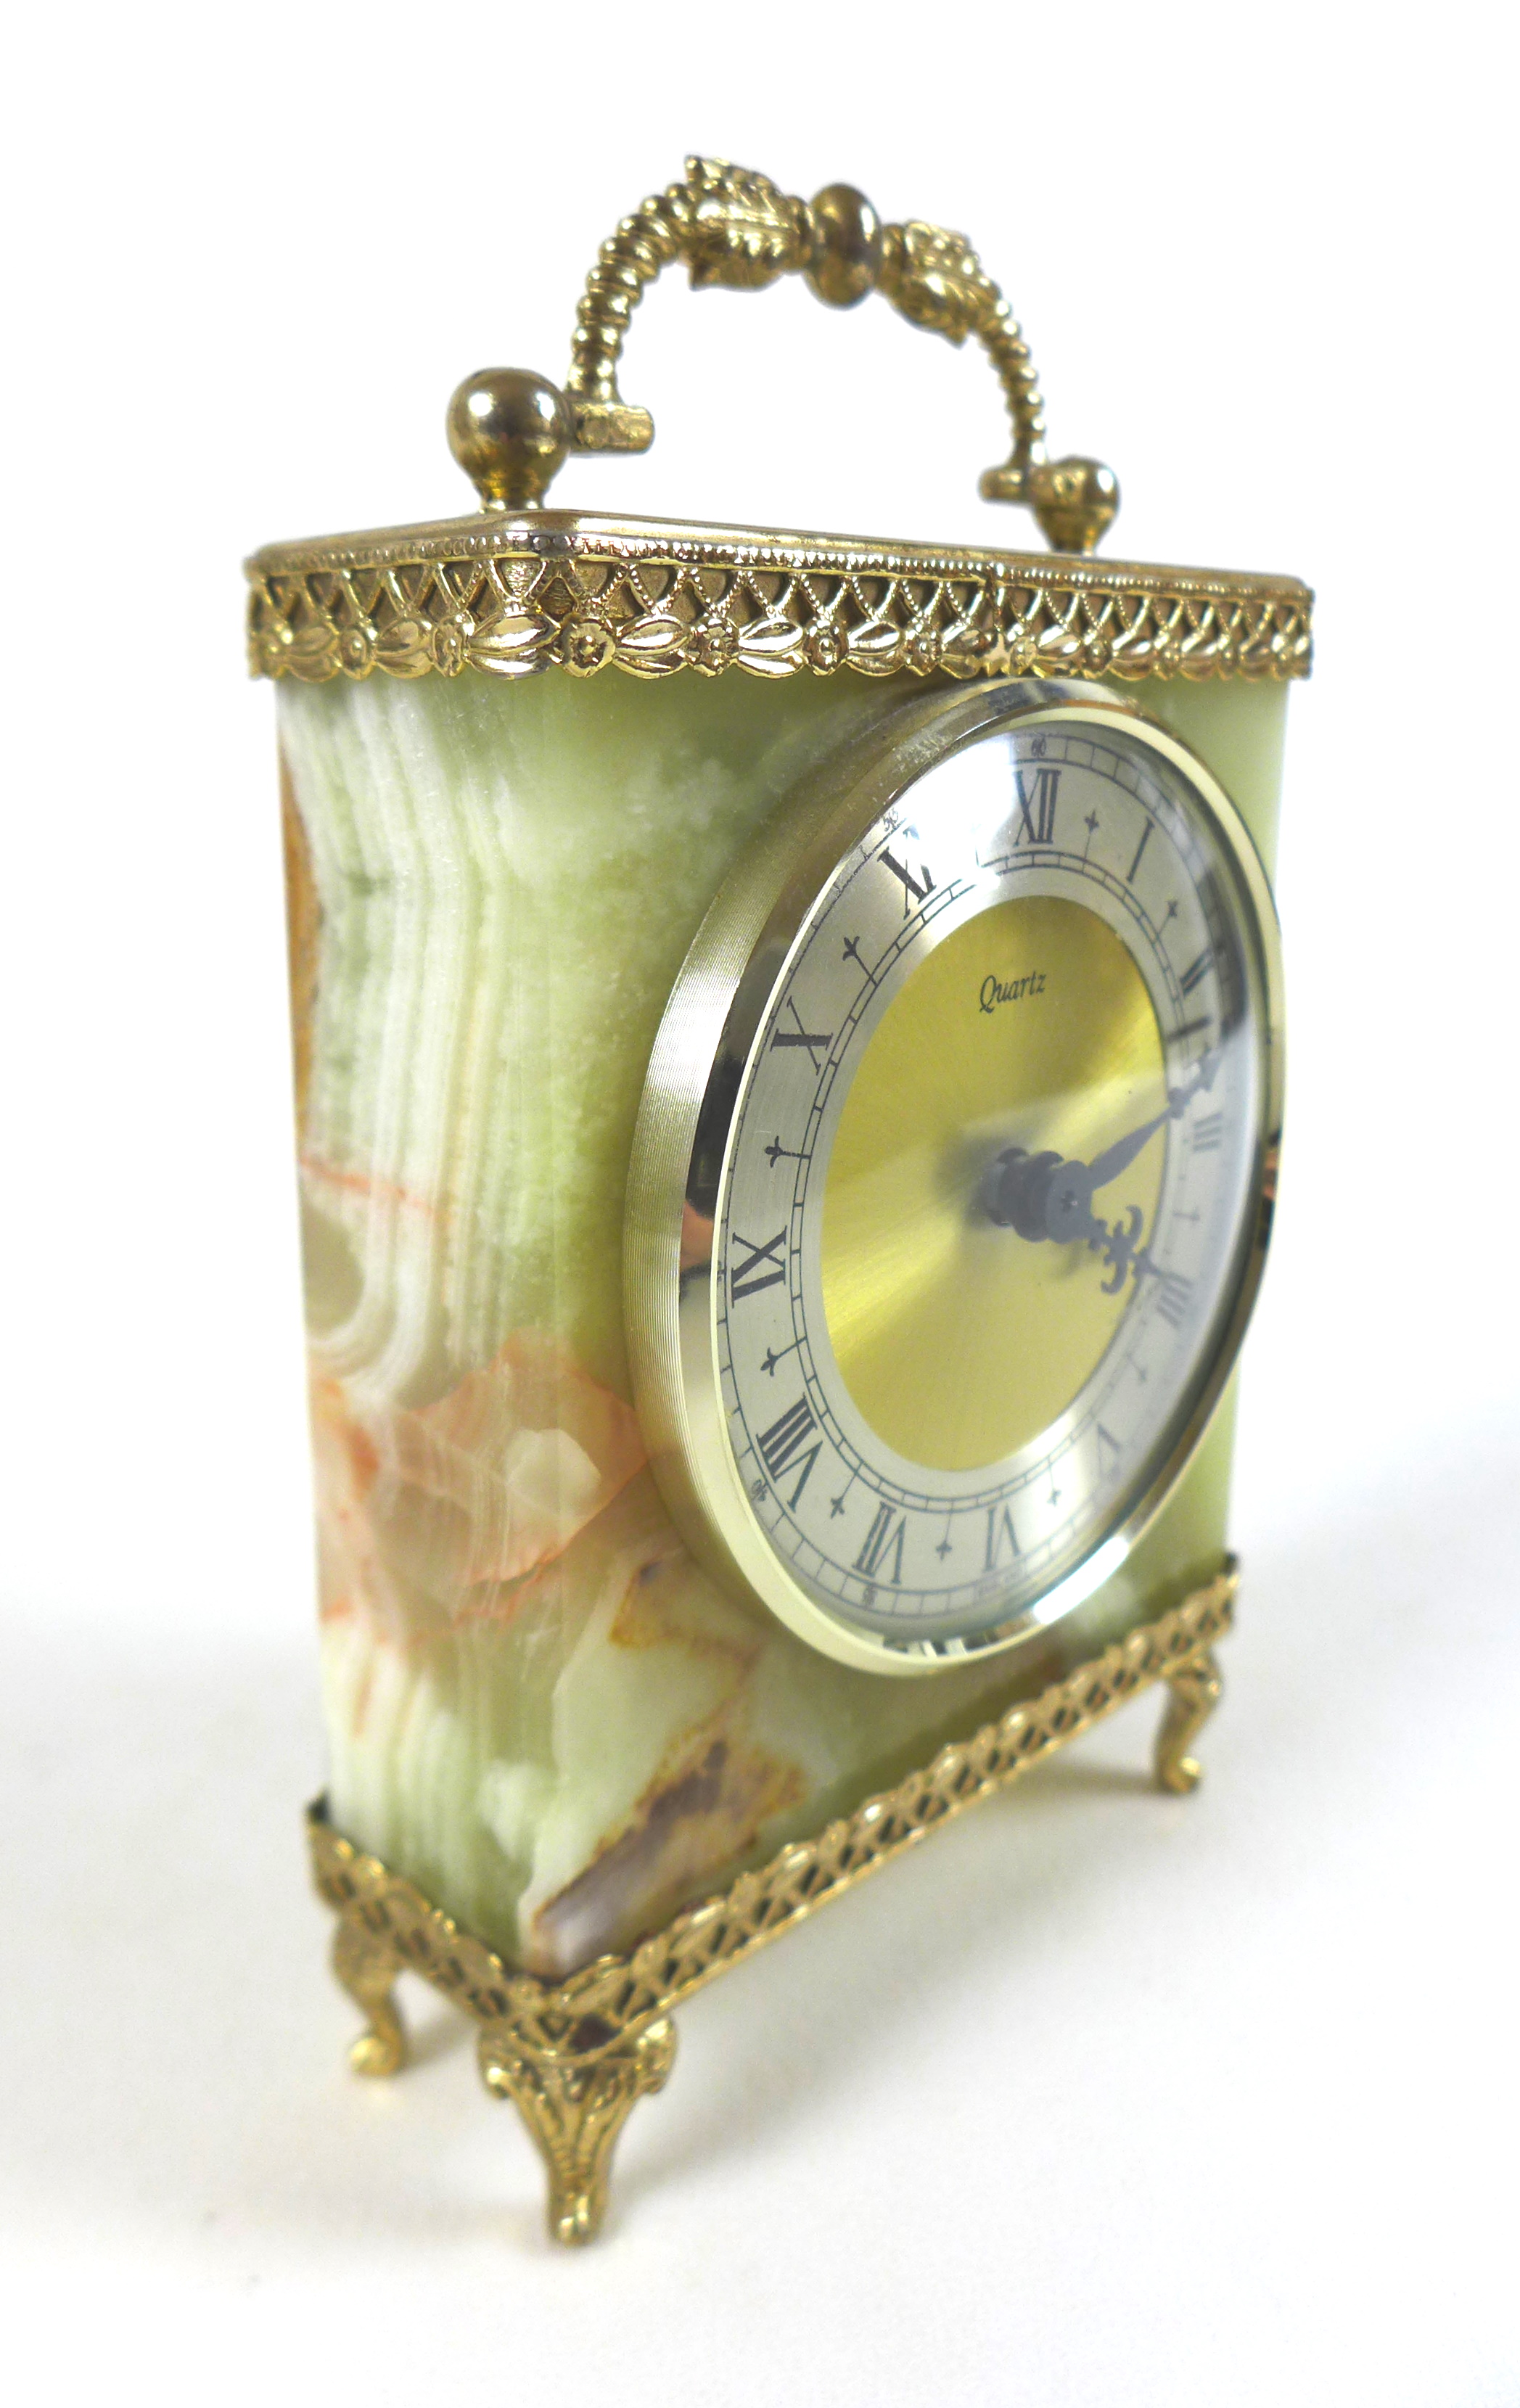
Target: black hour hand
{"type": "Point", "coordinates": [1042, 1196]}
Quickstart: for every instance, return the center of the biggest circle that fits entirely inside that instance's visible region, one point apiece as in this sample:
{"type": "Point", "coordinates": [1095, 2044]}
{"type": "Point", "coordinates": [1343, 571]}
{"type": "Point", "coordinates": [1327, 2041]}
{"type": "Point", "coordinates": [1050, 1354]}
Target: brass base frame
{"type": "Point", "coordinates": [575, 2056]}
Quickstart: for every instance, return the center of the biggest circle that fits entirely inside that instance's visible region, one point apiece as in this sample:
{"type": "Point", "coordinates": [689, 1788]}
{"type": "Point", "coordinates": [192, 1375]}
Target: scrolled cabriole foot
{"type": "Point", "coordinates": [367, 1966]}
{"type": "Point", "coordinates": [575, 2101]}
{"type": "Point", "coordinates": [1195, 1689]}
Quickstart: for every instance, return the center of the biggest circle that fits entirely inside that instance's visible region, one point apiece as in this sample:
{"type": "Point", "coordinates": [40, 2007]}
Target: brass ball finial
{"type": "Point", "coordinates": [509, 431]}
{"type": "Point", "coordinates": [1074, 501]}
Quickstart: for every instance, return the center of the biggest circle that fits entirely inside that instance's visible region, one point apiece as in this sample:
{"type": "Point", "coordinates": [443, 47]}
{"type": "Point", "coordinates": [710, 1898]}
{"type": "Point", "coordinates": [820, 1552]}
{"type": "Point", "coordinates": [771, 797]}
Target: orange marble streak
{"type": "Point", "coordinates": [352, 1575]}
{"type": "Point", "coordinates": [529, 1450]}
{"type": "Point", "coordinates": [360, 1182]}
{"type": "Point", "coordinates": [450, 1511]}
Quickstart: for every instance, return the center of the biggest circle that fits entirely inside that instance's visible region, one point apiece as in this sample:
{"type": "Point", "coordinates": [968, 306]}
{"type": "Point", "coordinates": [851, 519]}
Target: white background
{"type": "Point", "coordinates": [1107, 2098]}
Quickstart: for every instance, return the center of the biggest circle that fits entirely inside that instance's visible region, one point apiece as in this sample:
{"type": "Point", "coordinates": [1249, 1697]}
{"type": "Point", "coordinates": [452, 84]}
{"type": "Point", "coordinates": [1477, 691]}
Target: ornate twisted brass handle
{"type": "Point", "coordinates": [736, 228]}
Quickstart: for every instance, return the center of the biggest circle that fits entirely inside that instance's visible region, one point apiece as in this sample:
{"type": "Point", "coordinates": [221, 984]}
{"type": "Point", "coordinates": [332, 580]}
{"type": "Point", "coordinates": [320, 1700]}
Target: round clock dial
{"type": "Point", "coordinates": [951, 1186]}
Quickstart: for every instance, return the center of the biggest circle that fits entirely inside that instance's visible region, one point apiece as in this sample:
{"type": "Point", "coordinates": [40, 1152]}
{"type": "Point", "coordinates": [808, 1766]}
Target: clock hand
{"type": "Point", "coordinates": [1041, 1195]}
{"type": "Point", "coordinates": [1119, 1155]}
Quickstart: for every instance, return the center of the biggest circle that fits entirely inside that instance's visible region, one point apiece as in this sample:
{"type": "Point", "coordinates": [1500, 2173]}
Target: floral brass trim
{"type": "Point", "coordinates": [577, 2056]}
{"type": "Point", "coordinates": [553, 590]}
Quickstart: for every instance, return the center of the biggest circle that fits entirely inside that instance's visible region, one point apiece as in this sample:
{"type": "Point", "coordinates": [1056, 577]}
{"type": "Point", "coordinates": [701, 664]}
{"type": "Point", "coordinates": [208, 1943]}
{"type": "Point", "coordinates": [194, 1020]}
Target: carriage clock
{"type": "Point", "coordinates": [788, 1044]}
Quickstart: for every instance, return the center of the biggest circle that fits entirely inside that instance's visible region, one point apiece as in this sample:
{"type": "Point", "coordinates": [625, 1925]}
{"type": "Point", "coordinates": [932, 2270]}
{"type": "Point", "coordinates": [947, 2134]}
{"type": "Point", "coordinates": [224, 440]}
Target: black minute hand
{"type": "Point", "coordinates": [1068, 1206]}
{"type": "Point", "coordinates": [1121, 1153]}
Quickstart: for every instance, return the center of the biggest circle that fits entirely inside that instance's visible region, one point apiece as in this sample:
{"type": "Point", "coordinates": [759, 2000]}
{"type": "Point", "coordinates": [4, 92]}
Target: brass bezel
{"type": "Point", "coordinates": [682, 1145]}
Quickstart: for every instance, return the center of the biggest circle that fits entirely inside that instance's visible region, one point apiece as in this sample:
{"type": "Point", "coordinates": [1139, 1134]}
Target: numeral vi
{"type": "Point", "coordinates": [884, 1539]}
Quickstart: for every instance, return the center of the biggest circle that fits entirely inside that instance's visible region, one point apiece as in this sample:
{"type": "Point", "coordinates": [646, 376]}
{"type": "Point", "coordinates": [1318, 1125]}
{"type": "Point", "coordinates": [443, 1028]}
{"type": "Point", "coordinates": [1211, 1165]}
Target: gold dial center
{"type": "Point", "coordinates": [958, 1340]}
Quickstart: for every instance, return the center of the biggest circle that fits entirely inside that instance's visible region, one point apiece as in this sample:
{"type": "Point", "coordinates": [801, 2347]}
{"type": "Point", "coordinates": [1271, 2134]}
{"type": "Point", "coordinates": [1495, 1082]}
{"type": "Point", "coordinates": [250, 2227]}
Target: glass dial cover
{"type": "Point", "coordinates": [954, 1174]}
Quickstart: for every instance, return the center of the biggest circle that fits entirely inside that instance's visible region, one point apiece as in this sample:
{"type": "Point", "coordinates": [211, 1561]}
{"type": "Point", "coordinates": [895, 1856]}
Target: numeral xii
{"type": "Point", "coordinates": [1037, 805]}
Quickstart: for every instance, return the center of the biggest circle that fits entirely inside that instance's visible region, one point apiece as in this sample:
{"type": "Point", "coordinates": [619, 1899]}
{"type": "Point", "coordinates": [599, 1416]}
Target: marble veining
{"type": "Point", "coordinates": [540, 1708]}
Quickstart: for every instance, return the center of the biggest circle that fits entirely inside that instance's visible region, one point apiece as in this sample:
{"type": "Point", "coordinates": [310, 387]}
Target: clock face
{"type": "Point", "coordinates": [996, 1127]}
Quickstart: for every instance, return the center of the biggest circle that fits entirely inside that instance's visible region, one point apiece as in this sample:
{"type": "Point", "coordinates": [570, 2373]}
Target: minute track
{"type": "Point", "coordinates": [830, 981]}
{"type": "Point", "coordinates": [1009, 981]}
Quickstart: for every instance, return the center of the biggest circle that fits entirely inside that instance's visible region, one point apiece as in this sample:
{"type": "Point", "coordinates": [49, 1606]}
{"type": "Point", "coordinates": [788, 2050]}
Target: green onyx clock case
{"type": "Point", "coordinates": [789, 1071]}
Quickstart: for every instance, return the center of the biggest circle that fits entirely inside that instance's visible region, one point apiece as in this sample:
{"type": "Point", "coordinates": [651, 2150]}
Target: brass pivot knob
{"type": "Point", "coordinates": [1074, 500]}
{"type": "Point", "coordinates": [509, 431]}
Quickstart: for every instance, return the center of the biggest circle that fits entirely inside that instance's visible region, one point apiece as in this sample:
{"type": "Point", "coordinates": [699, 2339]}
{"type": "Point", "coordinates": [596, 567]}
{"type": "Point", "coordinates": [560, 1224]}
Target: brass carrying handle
{"type": "Point", "coordinates": [511, 431]}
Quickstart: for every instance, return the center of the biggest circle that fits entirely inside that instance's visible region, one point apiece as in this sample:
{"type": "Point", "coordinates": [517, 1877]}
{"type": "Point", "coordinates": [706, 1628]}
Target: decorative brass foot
{"type": "Point", "coordinates": [575, 2101]}
{"type": "Point", "coordinates": [367, 1967]}
{"type": "Point", "coordinates": [577, 2054]}
{"type": "Point", "coordinates": [1195, 1689]}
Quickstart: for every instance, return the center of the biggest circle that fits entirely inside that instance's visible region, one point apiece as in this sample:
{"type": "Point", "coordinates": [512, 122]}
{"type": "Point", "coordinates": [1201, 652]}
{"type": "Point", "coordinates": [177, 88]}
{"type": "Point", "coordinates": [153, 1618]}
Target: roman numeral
{"type": "Point", "coordinates": [747, 1278]}
{"type": "Point", "coordinates": [884, 1537]}
{"type": "Point", "coordinates": [913, 892]}
{"type": "Point", "coordinates": [1172, 1292]}
{"type": "Point", "coordinates": [1197, 971]}
{"type": "Point", "coordinates": [998, 1529]}
{"type": "Point", "coordinates": [1107, 1439]}
{"type": "Point", "coordinates": [1140, 853]}
{"type": "Point", "coordinates": [801, 1035]}
{"type": "Point", "coordinates": [1208, 1133]}
{"type": "Point", "coordinates": [1037, 810]}
{"type": "Point", "coordinates": [781, 1445]}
